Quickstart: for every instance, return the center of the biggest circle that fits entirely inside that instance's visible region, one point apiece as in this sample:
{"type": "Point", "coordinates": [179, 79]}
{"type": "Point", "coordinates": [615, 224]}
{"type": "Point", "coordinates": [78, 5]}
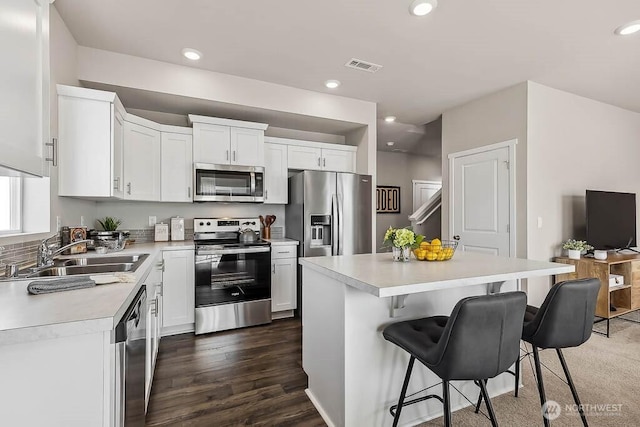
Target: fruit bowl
{"type": "Point", "coordinates": [440, 251]}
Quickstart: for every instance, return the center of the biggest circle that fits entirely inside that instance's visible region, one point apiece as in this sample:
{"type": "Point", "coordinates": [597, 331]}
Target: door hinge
{"type": "Point", "coordinates": [506, 162]}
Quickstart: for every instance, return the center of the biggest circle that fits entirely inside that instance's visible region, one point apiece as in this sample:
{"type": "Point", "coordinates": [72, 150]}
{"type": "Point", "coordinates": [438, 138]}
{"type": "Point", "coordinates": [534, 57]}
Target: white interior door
{"type": "Point", "coordinates": [423, 191]}
{"type": "Point", "coordinates": [481, 205]}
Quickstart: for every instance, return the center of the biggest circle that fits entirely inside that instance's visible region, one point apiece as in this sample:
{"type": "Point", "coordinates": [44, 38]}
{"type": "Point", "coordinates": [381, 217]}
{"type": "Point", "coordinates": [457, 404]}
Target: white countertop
{"type": "Point", "coordinates": [26, 317]}
{"type": "Point", "coordinates": [282, 242]}
{"type": "Point", "coordinates": [379, 275]}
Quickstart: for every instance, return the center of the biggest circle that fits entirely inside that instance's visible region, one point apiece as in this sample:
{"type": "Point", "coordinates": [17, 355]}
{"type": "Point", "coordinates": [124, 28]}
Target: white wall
{"type": "Point", "coordinates": [497, 117]}
{"type": "Point", "coordinates": [398, 169]}
{"type": "Point", "coordinates": [574, 144]}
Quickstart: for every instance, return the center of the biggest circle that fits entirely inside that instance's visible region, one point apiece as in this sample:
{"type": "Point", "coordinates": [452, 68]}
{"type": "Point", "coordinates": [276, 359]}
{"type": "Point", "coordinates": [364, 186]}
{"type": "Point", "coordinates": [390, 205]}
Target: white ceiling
{"type": "Point", "coordinates": [463, 50]}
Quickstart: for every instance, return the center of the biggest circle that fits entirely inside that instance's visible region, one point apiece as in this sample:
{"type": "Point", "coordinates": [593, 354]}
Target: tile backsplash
{"type": "Point", "coordinates": [24, 254]}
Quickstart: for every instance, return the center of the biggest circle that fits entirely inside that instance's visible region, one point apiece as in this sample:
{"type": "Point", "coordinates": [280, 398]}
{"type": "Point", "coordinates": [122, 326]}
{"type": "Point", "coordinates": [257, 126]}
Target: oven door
{"type": "Point", "coordinates": [226, 276]}
{"type": "Point", "coordinates": [227, 183]}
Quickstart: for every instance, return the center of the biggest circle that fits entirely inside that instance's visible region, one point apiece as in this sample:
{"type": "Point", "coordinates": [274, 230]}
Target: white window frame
{"type": "Point", "coordinates": [15, 202]}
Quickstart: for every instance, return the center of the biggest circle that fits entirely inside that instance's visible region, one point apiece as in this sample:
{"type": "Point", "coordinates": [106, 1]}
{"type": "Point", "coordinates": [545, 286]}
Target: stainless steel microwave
{"type": "Point", "coordinates": [228, 183]}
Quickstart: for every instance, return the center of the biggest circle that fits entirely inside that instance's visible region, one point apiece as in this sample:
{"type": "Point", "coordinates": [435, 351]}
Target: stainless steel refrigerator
{"type": "Point", "coordinates": [329, 213]}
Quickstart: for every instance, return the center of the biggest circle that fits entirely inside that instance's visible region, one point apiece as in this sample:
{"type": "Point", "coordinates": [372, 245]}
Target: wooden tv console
{"type": "Point", "coordinates": [625, 298]}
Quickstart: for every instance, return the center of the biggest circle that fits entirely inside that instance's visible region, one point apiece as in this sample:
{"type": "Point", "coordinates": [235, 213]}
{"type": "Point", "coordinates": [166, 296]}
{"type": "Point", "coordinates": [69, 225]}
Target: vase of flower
{"type": "Point", "coordinates": [401, 240]}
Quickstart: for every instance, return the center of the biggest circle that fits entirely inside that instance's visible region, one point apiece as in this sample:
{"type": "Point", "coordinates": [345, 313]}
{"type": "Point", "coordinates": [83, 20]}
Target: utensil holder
{"type": "Point", "coordinates": [266, 232]}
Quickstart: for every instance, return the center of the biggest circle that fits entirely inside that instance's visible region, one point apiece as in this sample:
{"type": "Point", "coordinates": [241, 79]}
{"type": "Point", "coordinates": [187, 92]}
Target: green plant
{"type": "Point", "coordinates": [577, 245]}
{"type": "Point", "coordinates": [109, 223]}
{"type": "Point", "coordinates": [402, 238]}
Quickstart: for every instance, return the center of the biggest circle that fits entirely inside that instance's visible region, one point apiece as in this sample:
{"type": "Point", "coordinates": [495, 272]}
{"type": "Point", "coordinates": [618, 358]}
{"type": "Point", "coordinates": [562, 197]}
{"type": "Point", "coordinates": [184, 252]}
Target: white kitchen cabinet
{"type": "Point", "coordinates": [153, 284]}
{"type": "Point", "coordinates": [284, 268]}
{"type": "Point", "coordinates": [141, 162]}
{"type": "Point", "coordinates": [338, 160]}
{"type": "Point", "coordinates": [304, 158]}
{"type": "Point", "coordinates": [176, 168]}
{"type": "Point", "coordinates": [308, 155]}
{"type": "Point", "coordinates": [24, 85]}
{"type": "Point", "coordinates": [227, 142]}
{"type": "Point", "coordinates": [275, 174]}
{"type": "Point", "coordinates": [90, 138]}
{"type": "Point", "coordinates": [178, 283]}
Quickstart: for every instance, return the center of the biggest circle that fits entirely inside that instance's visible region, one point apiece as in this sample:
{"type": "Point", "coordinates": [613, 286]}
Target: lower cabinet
{"type": "Point", "coordinates": [284, 268]}
{"type": "Point", "coordinates": [153, 285]}
{"type": "Point", "coordinates": [178, 309]}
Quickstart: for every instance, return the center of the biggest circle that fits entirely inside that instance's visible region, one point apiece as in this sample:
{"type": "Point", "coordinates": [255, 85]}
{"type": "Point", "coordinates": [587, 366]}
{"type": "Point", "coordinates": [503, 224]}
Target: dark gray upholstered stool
{"type": "Point", "coordinates": [565, 319]}
{"type": "Point", "coordinates": [480, 340]}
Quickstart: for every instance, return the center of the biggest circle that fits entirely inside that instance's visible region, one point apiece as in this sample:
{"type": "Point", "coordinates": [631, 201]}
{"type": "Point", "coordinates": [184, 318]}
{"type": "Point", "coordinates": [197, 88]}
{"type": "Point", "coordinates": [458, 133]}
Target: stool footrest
{"type": "Point", "coordinates": [392, 410]}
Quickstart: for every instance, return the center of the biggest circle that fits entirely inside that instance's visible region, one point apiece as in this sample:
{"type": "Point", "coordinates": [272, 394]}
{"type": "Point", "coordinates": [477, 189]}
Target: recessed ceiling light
{"type": "Point", "coordinates": [191, 54]}
{"type": "Point", "coordinates": [390, 119]}
{"type": "Point", "coordinates": [332, 84]}
{"type": "Point", "coordinates": [422, 7]}
{"type": "Point", "coordinates": [390, 143]}
{"type": "Point", "coordinates": [628, 28]}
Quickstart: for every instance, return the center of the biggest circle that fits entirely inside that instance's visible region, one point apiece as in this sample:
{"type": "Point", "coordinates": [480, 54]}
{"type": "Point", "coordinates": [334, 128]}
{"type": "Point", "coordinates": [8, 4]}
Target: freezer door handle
{"type": "Point", "coordinates": [334, 224]}
{"type": "Point", "coordinates": [340, 225]}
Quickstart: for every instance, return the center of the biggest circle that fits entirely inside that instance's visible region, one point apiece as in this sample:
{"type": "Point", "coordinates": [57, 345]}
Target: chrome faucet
{"type": "Point", "coordinates": [46, 253]}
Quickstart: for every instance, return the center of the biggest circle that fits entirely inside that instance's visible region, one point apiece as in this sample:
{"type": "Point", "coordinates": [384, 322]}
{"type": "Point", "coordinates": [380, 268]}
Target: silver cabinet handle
{"type": "Point", "coordinates": [160, 265]}
{"type": "Point", "coordinates": [324, 162]}
{"type": "Point", "coordinates": [266, 194]}
{"type": "Point", "coordinates": [129, 188]}
{"type": "Point", "coordinates": [234, 155]}
{"type": "Point", "coordinates": [189, 192]}
{"type": "Point", "coordinates": [274, 269]}
{"type": "Point", "coordinates": [54, 151]}
{"type": "Point", "coordinates": [227, 154]}
{"type": "Point", "coordinates": [116, 183]}
{"type": "Point", "coordinates": [318, 161]}
{"type": "Point", "coordinates": [154, 306]}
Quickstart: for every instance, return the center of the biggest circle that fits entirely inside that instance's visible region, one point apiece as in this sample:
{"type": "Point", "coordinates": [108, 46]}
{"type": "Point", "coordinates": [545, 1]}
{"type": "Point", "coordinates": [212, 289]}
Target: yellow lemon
{"type": "Point", "coordinates": [431, 256]}
{"type": "Point", "coordinates": [436, 245]}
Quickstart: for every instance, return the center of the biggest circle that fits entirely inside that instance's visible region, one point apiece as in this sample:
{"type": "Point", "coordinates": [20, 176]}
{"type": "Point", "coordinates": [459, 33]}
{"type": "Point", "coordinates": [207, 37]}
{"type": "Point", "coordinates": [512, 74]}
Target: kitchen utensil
{"type": "Point", "coordinates": [247, 235]}
{"type": "Point", "coordinates": [262, 220]}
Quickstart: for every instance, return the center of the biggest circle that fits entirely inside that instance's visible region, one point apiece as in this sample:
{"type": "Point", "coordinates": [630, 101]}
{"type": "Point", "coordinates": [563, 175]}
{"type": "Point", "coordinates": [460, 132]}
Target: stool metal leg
{"type": "Point", "coordinates": [446, 403]}
{"type": "Point", "coordinates": [543, 399]}
{"type": "Point", "coordinates": [396, 417]}
{"type": "Point", "coordinates": [574, 392]}
{"type": "Point", "coordinates": [485, 395]}
{"type": "Point", "coordinates": [479, 397]}
{"type": "Point", "coordinates": [517, 375]}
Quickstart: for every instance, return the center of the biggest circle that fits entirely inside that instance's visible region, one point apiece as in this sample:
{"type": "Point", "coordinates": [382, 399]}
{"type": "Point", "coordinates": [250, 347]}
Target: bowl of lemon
{"type": "Point", "coordinates": [436, 250]}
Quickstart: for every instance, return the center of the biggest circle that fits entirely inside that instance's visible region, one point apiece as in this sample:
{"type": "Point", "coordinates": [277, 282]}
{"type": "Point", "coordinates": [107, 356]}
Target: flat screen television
{"type": "Point", "coordinates": [611, 219]}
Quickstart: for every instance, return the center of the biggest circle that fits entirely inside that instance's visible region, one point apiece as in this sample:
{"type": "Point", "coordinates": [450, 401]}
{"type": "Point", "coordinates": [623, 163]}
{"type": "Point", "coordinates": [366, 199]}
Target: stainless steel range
{"type": "Point", "coordinates": [233, 274]}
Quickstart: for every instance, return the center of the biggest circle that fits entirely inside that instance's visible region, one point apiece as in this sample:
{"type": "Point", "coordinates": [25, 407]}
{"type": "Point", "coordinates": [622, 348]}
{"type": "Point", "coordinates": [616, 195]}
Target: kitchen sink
{"type": "Point", "coordinates": [89, 265]}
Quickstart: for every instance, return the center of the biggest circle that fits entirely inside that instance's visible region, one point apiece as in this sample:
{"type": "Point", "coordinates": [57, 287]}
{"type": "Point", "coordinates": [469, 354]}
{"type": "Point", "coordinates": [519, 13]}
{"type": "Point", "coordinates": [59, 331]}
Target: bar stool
{"type": "Point", "coordinates": [565, 319]}
{"type": "Point", "coordinates": [478, 341]}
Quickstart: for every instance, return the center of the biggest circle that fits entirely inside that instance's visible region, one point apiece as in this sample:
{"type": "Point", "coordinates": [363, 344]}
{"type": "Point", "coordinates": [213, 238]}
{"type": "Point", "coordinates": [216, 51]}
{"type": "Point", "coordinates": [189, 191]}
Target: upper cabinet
{"type": "Point", "coordinates": [227, 142]}
{"type": "Point", "coordinates": [90, 143]}
{"type": "Point", "coordinates": [307, 155]}
{"type": "Point", "coordinates": [141, 160]}
{"type": "Point", "coordinates": [176, 165]}
{"type": "Point", "coordinates": [275, 174]}
{"type": "Point", "coordinates": [24, 84]}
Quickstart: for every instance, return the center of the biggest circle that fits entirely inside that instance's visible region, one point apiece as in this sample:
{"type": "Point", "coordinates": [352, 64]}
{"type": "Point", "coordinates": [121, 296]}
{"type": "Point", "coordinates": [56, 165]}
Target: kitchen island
{"type": "Point", "coordinates": [355, 375]}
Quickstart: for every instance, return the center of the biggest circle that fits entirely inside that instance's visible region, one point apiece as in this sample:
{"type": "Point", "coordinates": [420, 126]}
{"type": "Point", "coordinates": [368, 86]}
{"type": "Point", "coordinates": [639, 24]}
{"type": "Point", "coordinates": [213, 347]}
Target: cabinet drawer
{"type": "Point", "coordinates": [283, 252]}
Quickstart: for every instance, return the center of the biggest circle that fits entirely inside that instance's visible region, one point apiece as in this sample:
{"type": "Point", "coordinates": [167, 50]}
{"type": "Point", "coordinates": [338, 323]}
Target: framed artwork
{"type": "Point", "coordinates": [387, 199]}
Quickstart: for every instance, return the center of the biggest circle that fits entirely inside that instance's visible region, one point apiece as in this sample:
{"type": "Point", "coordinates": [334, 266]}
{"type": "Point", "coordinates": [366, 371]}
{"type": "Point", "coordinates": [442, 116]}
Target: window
{"type": "Point", "coordinates": [10, 205]}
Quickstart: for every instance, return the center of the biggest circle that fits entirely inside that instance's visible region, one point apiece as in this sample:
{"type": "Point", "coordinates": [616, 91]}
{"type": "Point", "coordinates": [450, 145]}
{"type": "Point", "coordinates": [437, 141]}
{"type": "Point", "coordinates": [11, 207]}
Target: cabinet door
{"type": "Point", "coordinates": [117, 166]}
{"type": "Point", "coordinates": [283, 284]}
{"type": "Point", "coordinates": [151, 343]}
{"type": "Point", "coordinates": [275, 174]}
{"type": "Point", "coordinates": [304, 158]}
{"type": "Point", "coordinates": [24, 84]}
{"type": "Point", "coordinates": [176, 167]}
{"type": "Point", "coordinates": [211, 144]}
{"type": "Point", "coordinates": [338, 160]}
{"type": "Point", "coordinates": [247, 147]}
{"type": "Point", "coordinates": [141, 162]}
{"type": "Point", "coordinates": [158, 323]}
{"type": "Point", "coordinates": [178, 289]}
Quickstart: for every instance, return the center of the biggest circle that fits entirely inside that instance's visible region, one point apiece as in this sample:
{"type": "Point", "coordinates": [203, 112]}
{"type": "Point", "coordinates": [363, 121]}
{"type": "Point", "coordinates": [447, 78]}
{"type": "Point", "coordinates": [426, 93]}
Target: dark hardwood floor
{"type": "Point", "coordinates": [250, 376]}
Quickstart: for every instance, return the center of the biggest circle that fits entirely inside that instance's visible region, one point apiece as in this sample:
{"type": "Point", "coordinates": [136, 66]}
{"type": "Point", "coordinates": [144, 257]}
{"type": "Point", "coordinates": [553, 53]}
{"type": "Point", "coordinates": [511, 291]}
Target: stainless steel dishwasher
{"type": "Point", "coordinates": [130, 339]}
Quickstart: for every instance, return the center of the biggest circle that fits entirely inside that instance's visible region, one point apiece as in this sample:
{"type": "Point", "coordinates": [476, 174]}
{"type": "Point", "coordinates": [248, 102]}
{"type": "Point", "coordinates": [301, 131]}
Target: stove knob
{"type": "Point", "coordinates": [208, 223]}
{"type": "Point", "coordinates": [201, 223]}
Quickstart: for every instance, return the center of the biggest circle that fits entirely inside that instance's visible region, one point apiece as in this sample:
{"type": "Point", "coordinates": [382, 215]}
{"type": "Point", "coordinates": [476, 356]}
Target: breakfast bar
{"type": "Point", "coordinates": [354, 374]}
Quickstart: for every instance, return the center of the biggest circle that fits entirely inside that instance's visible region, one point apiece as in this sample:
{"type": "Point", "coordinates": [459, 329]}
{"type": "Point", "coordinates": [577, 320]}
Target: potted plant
{"type": "Point", "coordinates": [576, 247]}
{"type": "Point", "coordinates": [401, 241]}
{"type": "Point", "coordinates": [110, 223]}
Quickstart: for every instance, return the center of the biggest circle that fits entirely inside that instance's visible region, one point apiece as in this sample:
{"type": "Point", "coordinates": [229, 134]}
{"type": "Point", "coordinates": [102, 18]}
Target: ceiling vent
{"type": "Point", "coordinates": [361, 65]}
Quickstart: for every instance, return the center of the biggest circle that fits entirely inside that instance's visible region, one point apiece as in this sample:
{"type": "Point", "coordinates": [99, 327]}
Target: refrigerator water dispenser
{"type": "Point", "coordinates": [320, 230]}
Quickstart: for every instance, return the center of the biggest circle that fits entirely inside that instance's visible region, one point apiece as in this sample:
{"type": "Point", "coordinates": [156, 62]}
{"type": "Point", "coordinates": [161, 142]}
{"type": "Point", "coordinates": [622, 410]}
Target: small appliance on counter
{"type": "Point", "coordinates": [162, 232]}
{"type": "Point", "coordinates": [177, 228]}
